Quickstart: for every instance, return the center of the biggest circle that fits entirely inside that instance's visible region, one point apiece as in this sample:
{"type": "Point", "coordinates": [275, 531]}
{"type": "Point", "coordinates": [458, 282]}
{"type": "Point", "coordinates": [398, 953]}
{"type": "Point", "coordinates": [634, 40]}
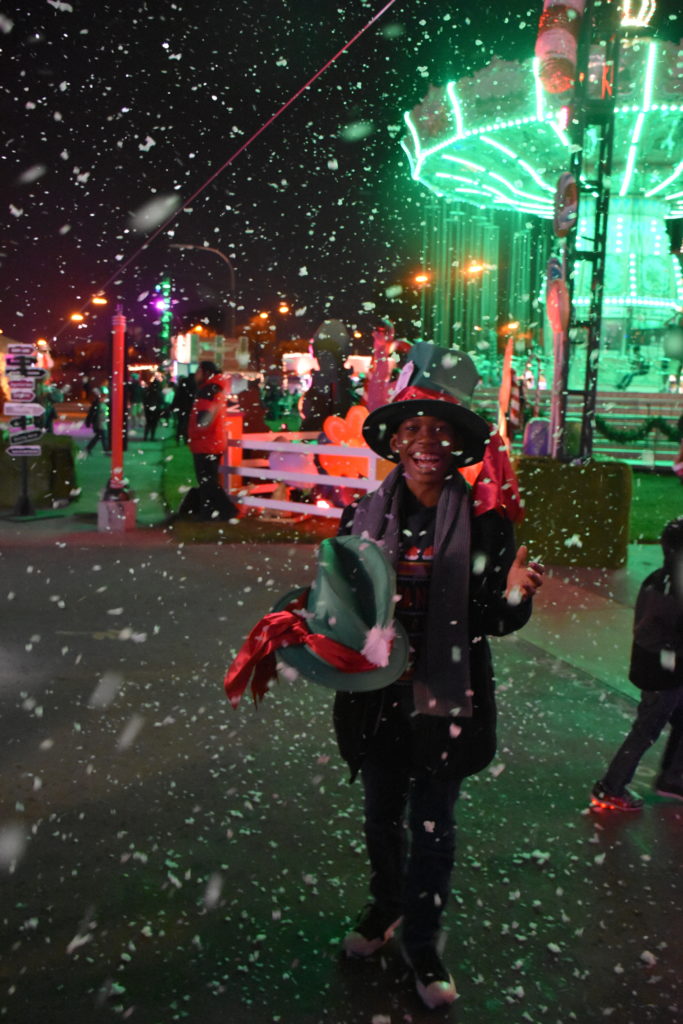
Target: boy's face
{"type": "Point", "coordinates": [425, 446]}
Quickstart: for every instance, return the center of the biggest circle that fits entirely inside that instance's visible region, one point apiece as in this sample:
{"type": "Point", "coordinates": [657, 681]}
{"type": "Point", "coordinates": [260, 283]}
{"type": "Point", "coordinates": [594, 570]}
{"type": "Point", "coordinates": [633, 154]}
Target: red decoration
{"type": "Point", "coordinates": [345, 431]}
{"type": "Point", "coordinates": [256, 658]}
{"type": "Point", "coordinates": [556, 44]}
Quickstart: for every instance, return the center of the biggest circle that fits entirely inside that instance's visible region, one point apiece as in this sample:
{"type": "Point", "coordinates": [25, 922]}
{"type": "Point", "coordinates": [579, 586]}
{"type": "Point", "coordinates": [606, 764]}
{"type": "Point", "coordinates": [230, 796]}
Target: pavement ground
{"type": "Point", "coordinates": [164, 857]}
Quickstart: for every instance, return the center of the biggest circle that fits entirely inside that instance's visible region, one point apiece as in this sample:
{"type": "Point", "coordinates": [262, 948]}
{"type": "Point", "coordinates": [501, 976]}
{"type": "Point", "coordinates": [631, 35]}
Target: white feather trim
{"type": "Point", "coordinates": [377, 646]}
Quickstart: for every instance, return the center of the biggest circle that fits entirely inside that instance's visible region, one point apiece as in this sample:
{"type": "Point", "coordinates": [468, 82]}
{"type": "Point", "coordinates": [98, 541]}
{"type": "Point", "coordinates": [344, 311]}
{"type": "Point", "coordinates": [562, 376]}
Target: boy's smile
{"type": "Point", "coordinates": [425, 446]}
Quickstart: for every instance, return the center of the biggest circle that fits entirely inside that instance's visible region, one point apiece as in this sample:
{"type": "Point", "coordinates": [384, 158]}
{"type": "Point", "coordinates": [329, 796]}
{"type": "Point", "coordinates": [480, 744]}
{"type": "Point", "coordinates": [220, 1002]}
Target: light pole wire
{"type": "Point", "coordinates": [162, 227]}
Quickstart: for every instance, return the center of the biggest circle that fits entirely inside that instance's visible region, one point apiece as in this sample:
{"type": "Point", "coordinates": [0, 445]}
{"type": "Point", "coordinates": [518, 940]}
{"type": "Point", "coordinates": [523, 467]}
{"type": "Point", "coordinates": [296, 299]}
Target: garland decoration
{"type": "Point", "coordinates": [623, 435]}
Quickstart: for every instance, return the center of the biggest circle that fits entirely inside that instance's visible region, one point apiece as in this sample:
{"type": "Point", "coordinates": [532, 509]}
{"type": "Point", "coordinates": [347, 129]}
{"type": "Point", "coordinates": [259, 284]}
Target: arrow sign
{"type": "Point", "coordinates": [23, 409]}
{"type": "Point", "coordinates": [23, 451]}
{"type": "Point", "coordinates": [24, 436]}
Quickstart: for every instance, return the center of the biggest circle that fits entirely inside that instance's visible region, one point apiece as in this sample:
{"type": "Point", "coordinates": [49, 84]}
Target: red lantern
{"type": "Point", "coordinates": [556, 43]}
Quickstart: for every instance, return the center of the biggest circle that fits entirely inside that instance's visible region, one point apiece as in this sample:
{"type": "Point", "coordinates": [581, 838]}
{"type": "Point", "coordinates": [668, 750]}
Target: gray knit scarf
{"type": "Point", "coordinates": [441, 681]}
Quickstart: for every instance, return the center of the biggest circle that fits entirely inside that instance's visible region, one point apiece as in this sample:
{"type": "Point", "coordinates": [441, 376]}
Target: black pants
{"type": "Point", "coordinates": [99, 435]}
{"type": "Point", "coordinates": [214, 503]}
{"type": "Point", "coordinates": [409, 829]}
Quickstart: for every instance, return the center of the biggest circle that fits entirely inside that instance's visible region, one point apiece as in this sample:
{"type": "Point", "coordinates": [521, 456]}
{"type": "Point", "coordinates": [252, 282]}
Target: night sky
{"type": "Point", "coordinates": [114, 114]}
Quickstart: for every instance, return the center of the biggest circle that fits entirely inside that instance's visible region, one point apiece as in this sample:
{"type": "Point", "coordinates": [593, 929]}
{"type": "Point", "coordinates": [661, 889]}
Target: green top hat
{"type": "Point", "coordinates": [351, 602]}
{"type": "Point", "coordinates": [435, 382]}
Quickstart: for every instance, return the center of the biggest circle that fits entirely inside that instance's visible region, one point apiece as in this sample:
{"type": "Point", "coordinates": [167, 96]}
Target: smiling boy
{"type": "Point", "coordinates": [458, 579]}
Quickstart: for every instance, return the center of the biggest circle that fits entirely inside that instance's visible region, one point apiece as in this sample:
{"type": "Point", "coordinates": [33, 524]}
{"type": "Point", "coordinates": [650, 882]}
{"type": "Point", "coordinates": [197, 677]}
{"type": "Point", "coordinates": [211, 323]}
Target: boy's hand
{"type": "Point", "coordinates": [523, 580]}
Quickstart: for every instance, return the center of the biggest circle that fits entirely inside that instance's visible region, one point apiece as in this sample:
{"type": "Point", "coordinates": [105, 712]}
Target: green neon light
{"type": "Point", "coordinates": [466, 163]}
{"type": "Point", "coordinates": [500, 146]}
{"type": "Point", "coordinates": [526, 195]}
{"type": "Point", "coordinates": [165, 288]}
{"type": "Point", "coordinates": [416, 138]}
{"type": "Point", "coordinates": [535, 175]}
{"type": "Point", "coordinates": [457, 109]}
{"type": "Point", "coordinates": [455, 177]}
{"type": "Point", "coordinates": [630, 300]}
{"type": "Point", "coordinates": [411, 160]}
{"type": "Point", "coordinates": [561, 133]}
{"type": "Point", "coordinates": [482, 189]}
{"type": "Point", "coordinates": [638, 127]}
{"type": "Point", "coordinates": [667, 181]}
{"type": "Point", "coordinates": [649, 75]}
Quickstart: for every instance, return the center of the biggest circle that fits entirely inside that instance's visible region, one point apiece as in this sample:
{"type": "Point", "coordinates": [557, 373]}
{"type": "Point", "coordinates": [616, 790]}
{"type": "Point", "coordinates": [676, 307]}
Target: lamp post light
{"type": "Point", "coordinates": [116, 508]}
{"type": "Point", "coordinates": [421, 282]}
{"type": "Point", "coordinates": [231, 269]}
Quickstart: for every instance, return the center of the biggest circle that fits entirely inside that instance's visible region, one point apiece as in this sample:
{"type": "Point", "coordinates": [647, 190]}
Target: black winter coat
{"type": "Point", "coordinates": [437, 747]}
{"type": "Point", "coordinates": [657, 651]}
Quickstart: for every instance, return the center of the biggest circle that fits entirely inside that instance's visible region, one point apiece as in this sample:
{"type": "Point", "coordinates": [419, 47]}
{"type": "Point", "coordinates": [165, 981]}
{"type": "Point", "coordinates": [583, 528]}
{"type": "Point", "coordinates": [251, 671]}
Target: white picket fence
{"type": "Point", "coordinates": [267, 479]}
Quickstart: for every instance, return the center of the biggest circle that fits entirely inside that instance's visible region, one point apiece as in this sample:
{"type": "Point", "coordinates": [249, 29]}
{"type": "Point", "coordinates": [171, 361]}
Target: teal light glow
{"type": "Point", "coordinates": [537, 177]}
{"type": "Point", "coordinates": [500, 146]}
{"type": "Point", "coordinates": [638, 127]}
{"type": "Point", "coordinates": [465, 163]}
{"type": "Point", "coordinates": [512, 160]}
{"type": "Point", "coordinates": [457, 109]}
{"type": "Point", "coordinates": [667, 181]}
{"type": "Point", "coordinates": [561, 134]}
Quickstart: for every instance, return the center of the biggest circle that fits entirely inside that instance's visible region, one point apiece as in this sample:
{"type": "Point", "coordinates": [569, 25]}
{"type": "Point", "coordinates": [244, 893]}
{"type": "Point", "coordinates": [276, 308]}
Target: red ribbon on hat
{"type": "Point", "coordinates": [413, 393]}
{"type": "Point", "coordinates": [494, 484]}
{"type": "Point", "coordinates": [277, 630]}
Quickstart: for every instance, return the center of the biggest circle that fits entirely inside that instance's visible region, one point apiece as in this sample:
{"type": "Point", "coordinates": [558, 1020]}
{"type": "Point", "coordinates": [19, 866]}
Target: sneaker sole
{"type": "Point", "coordinates": [357, 945]}
{"type": "Point", "coordinates": [438, 993]}
{"type": "Point", "coordinates": [605, 805]}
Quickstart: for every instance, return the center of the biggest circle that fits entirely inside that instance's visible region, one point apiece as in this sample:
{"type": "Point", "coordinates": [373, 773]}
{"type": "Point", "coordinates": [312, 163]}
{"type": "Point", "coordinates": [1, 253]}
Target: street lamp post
{"type": "Point", "coordinates": [221, 255]}
{"type": "Point", "coordinates": [116, 510]}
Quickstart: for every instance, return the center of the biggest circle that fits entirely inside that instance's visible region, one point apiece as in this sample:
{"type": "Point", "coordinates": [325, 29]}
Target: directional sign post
{"type": "Point", "coordinates": [23, 374]}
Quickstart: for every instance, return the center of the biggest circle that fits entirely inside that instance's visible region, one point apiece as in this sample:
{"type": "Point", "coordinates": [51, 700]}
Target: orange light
{"type": "Point", "coordinates": [99, 300]}
{"type": "Point", "coordinates": [283, 308]}
{"type": "Point", "coordinates": [77, 318]}
{"type": "Point", "coordinates": [263, 316]}
{"type": "Point", "coordinates": [321, 503]}
{"type": "Point", "coordinates": [422, 278]}
{"type": "Point", "coordinates": [512, 326]}
{"type": "Point", "coordinates": [475, 268]}
{"type": "Point", "coordinates": [358, 334]}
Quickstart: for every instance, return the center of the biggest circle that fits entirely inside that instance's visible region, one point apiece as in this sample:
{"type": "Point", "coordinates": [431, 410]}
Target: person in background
{"type": "Point", "coordinates": [657, 670]}
{"type": "Point", "coordinates": [152, 401]}
{"type": "Point", "coordinates": [251, 407]}
{"type": "Point", "coordinates": [678, 462]}
{"type": "Point", "coordinates": [182, 406]}
{"type": "Point", "coordinates": [207, 435]}
{"type": "Point", "coordinates": [168, 389]}
{"type": "Point", "coordinates": [135, 398]}
{"type": "Point", "coordinates": [96, 419]}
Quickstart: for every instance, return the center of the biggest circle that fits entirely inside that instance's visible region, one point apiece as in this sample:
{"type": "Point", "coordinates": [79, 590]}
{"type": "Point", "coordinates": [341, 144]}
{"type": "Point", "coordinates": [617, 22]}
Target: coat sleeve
{"type": "Point", "coordinates": [493, 552]}
{"type": "Point", "coordinates": [346, 521]}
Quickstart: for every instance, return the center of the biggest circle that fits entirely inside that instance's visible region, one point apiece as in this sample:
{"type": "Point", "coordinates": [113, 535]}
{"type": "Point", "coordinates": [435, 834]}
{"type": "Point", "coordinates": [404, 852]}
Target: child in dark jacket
{"type": "Point", "coordinates": [657, 670]}
{"type": "Point", "coordinates": [459, 579]}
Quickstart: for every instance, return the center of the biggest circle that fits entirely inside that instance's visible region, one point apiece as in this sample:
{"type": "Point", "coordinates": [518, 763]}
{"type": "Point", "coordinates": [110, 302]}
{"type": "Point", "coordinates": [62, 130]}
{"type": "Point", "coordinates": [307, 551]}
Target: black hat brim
{"type": "Point", "coordinates": [381, 425]}
{"type": "Point", "coordinates": [313, 668]}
